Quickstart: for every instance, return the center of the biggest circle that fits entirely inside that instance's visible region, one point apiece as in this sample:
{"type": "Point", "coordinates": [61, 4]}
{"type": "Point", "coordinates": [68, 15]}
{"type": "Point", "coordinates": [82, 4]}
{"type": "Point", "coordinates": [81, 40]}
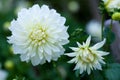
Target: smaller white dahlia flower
{"type": "Point", "coordinates": [112, 4]}
{"type": "Point", "coordinates": [93, 28]}
{"type": "Point", "coordinates": [87, 58]}
{"type": "Point", "coordinates": [38, 34]}
{"type": "Point", "coordinates": [3, 75]}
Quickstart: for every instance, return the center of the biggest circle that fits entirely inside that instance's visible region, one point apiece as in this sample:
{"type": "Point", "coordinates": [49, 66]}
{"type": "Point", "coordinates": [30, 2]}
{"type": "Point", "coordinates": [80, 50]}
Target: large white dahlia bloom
{"type": "Point", "coordinates": [38, 34]}
{"type": "Point", "coordinates": [112, 4]}
{"type": "Point", "coordinates": [87, 58]}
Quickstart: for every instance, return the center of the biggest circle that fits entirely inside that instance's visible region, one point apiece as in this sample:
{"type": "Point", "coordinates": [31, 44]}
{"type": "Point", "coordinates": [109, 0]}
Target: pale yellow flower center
{"type": "Point", "coordinates": [38, 36]}
{"type": "Point", "coordinates": [87, 56]}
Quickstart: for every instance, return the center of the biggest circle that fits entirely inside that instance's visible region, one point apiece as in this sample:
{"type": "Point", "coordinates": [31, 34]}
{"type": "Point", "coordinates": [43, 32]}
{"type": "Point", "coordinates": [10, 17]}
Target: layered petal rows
{"type": "Point", "coordinates": [38, 34]}
{"type": "Point", "coordinates": [87, 58]}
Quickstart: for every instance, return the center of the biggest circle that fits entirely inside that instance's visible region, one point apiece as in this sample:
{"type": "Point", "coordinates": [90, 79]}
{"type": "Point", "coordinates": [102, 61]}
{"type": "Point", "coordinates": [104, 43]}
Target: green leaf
{"type": "Point", "coordinates": [97, 75]}
{"type": "Point", "coordinates": [113, 72]}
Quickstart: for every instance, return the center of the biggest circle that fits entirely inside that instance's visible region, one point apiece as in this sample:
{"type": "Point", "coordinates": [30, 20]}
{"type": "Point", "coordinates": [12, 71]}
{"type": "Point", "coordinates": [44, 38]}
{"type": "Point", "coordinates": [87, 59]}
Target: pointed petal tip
{"type": "Point", "coordinates": [99, 44]}
{"type": "Point", "coordinates": [69, 62]}
{"type": "Point", "coordinates": [66, 54]}
{"type": "Point", "coordinates": [74, 48]}
{"type": "Point", "coordinates": [79, 45]}
{"type": "Point", "coordinates": [104, 40]}
{"type": "Point", "coordinates": [45, 6]}
{"type": "Point", "coordinates": [107, 53]}
{"type": "Point", "coordinates": [88, 40]}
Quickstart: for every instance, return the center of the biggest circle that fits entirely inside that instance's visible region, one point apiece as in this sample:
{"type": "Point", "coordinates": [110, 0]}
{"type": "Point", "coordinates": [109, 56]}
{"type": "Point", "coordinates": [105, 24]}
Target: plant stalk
{"type": "Point", "coordinates": [102, 26]}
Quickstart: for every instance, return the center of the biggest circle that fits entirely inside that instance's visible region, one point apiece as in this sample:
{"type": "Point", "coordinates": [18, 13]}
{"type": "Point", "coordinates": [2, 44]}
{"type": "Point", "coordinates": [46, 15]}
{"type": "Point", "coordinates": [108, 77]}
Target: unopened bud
{"type": "Point", "coordinates": [9, 64]}
{"type": "Point", "coordinates": [116, 16]}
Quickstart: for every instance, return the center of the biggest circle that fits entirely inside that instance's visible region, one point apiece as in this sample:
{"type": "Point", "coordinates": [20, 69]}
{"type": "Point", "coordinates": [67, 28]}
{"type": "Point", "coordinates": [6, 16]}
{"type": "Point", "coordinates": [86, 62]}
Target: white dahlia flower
{"type": "Point", "coordinates": [38, 34]}
{"type": "Point", "coordinates": [112, 4]}
{"type": "Point", "coordinates": [93, 28]}
{"type": "Point", "coordinates": [87, 58]}
{"type": "Point", "coordinates": [3, 75]}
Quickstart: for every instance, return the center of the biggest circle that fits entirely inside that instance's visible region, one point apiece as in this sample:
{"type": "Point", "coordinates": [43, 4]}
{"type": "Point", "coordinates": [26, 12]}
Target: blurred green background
{"type": "Point", "coordinates": [78, 13]}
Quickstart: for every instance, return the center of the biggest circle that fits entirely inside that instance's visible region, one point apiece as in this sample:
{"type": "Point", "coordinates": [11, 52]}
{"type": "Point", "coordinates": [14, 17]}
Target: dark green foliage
{"type": "Point", "coordinates": [113, 71]}
{"type": "Point", "coordinates": [59, 70]}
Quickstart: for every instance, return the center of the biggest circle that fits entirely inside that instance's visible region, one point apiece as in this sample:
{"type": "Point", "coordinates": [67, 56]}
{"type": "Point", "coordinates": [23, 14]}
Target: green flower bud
{"type": "Point", "coordinates": [116, 16]}
{"type": "Point", "coordinates": [9, 64]}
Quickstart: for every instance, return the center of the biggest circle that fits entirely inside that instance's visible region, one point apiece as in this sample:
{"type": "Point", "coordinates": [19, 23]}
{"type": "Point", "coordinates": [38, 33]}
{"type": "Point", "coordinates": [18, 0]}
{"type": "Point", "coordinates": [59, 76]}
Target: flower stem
{"type": "Point", "coordinates": [102, 26]}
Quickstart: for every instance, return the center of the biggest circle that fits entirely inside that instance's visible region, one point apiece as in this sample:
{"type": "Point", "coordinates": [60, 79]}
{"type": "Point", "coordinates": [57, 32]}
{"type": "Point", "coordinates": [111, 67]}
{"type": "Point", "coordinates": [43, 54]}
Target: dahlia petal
{"type": "Point", "coordinates": [55, 48]}
{"type": "Point", "coordinates": [71, 54]}
{"type": "Point", "coordinates": [99, 45]}
{"type": "Point", "coordinates": [48, 57]}
{"type": "Point", "coordinates": [79, 45]}
{"type": "Point", "coordinates": [101, 61]}
{"type": "Point", "coordinates": [74, 48]}
{"type": "Point", "coordinates": [88, 41]}
{"type": "Point", "coordinates": [40, 52]}
{"type": "Point", "coordinates": [102, 53]}
{"type": "Point", "coordinates": [77, 66]}
{"type": "Point", "coordinates": [81, 70]}
{"type": "Point", "coordinates": [24, 57]}
{"type": "Point", "coordinates": [98, 66]}
{"type": "Point", "coordinates": [19, 49]}
{"type": "Point", "coordinates": [88, 70]}
{"type": "Point", "coordinates": [72, 60]}
{"type": "Point", "coordinates": [47, 50]}
{"type": "Point", "coordinates": [35, 60]}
